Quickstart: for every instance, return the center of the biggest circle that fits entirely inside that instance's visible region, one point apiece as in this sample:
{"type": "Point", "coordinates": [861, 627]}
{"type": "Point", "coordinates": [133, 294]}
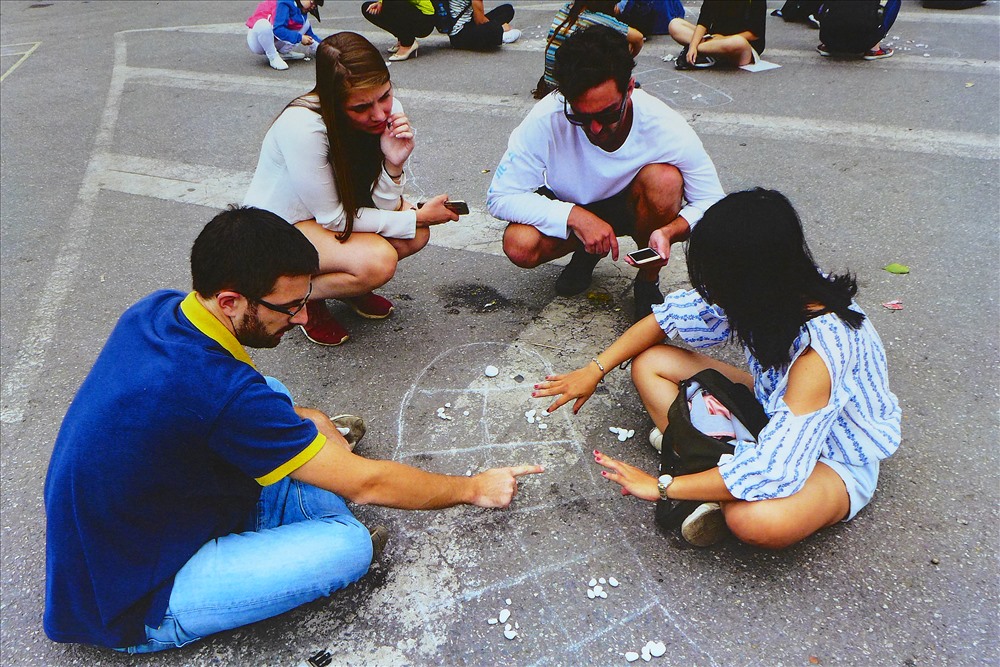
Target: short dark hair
{"type": "Point", "coordinates": [246, 249]}
{"type": "Point", "coordinates": [748, 255]}
{"type": "Point", "coordinates": [591, 56]}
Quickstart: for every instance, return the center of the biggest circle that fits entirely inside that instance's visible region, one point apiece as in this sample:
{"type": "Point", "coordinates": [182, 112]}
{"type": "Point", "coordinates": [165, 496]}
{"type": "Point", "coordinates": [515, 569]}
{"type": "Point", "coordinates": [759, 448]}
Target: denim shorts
{"type": "Point", "coordinates": [859, 480]}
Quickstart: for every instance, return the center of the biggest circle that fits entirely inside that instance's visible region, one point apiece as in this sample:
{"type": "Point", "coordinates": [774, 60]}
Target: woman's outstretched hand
{"type": "Point", "coordinates": [396, 141]}
{"type": "Point", "coordinates": [578, 385]}
{"type": "Point", "coordinates": [434, 212]}
{"type": "Point", "coordinates": [634, 482]}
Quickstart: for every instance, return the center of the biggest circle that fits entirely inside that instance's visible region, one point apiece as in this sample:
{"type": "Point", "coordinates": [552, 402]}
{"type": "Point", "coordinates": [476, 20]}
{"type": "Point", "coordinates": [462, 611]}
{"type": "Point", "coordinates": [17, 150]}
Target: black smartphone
{"type": "Point", "coordinates": [644, 256]}
{"type": "Point", "coordinates": [457, 206]}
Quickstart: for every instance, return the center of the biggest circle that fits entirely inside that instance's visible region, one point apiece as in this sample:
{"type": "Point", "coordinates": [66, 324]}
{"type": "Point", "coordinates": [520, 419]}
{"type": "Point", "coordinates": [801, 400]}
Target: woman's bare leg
{"type": "Point", "coordinates": [658, 372]}
{"type": "Point", "coordinates": [781, 522]}
{"type": "Point", "coordinates": [354, 267]}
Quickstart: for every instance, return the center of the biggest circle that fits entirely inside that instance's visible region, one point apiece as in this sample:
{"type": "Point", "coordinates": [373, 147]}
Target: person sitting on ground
{"type": "Point", "coordinates": [597, 160]}
{"type": "Point", "coordinates": [856, 28]}
{"type": "Point", "coordinates": [650, 17]}
{"type": "Point", "coordinates": [728, 31]}
{"type": "Point", "coordinates": [476, 29]}
{"type": "Point", "coordinates": [187, 494]}
{"type": "Point", "coordinates": [332, 165]}
{"type": "Point", "coordinates": [575, 16]}
{"type": "Point", "coordinates": [405, 19]}
{"type": "Point", "coordinates": [278, 26]}
{"type": "Point", "coordinates": [817, 367]}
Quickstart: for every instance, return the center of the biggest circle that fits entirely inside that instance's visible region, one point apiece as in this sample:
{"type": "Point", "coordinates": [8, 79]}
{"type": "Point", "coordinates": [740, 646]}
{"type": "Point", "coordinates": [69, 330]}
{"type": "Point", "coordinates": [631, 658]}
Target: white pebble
{"type": "Point", "coordinates": [598, 589]}
{"type": "Point", "coordinates": [447, 405]}
{"type": "Point", "coordinates": [504, 615]}
{"type": "Point", "coordinates": [622, 437]}
{"type": "Point", "coordinates": [590, 593]}
{"type": "Point", "coordinates": [510, 634]}
{"type": "Point", "coordinates": [493, 621]}
{"type": "Point", "coordinates": [542, 426]}
{"type": "Point", "coordinates": [656, 649]}
{"type": "Point", "coordinates": [440, 411]}
{"type": "Point", "coordinates": [507, 627]}
{"type": "Point", "coordinates": [631, 432]}
{"type": "Point", "coordinates": [614, 429]}
{"type": "Point", "coordinates": [603, 595]}
{"type": "Point", "coordinates": [507, 602]}
{"type": "Point", "coordinates": [631, 656]}
{"type": "Point", "coordinates": [468, 473]}
{"type": "Point", "coordinates": [546, 413]}
{"type": "Point", "coordinates": [646, 655]}
{"type": "Point", "coordinates": [592, 582]}
{"type": "Point", "coordinates": [927, 55]}
{"type": "Point", "coordinates": [516, 625]}
{"type": "Point", "coordinates": [612, 581]}
{"type": "Point", "coordinates": [491, 371]}
{"type": "Point", "coordinates": [602, 581]}
{"type": "Point", "coordinates": [466, 413]}
{"type": "Point", "coordinates": [530, 413]}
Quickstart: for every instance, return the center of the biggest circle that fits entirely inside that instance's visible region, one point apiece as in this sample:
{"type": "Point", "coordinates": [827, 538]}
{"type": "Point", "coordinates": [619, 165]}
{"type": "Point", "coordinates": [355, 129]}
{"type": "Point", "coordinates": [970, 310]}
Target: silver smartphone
{"type": "Point", "coordinates": [644, 256]}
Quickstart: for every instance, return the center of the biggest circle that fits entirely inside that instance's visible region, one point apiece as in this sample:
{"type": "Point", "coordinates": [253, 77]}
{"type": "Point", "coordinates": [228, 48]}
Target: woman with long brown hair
{"type": "Point", "coordinates": [332, 164]}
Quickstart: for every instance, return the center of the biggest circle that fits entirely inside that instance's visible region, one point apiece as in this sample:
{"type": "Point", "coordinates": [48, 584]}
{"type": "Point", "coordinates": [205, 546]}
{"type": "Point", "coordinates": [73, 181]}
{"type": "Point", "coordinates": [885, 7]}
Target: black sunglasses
{"type": "Point", "coordinates": [284, 310]}
{"type": "Point", "coordinates": [603, 118]}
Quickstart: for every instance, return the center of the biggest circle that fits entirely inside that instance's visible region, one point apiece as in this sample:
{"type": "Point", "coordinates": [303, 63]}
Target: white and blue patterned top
{"type": "Point", "coordinates": [860, 424]}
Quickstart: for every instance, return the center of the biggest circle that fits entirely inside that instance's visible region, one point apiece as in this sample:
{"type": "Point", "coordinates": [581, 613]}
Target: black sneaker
{"type": "Point", "coordinates": [681, 62]}
{"type": "Point", "coordinates": [645, 295]}
{"type": "Point", "coordinates": [578, 274]}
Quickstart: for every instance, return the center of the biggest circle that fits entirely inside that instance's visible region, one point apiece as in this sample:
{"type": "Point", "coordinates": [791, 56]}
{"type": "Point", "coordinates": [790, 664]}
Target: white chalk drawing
{"type": "Point", "coordinates": [561, 530]}
{"type": "Point", "coordinates": [680, 90]}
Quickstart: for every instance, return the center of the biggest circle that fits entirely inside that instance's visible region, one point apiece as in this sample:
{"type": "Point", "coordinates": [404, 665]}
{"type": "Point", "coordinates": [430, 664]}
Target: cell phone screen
{"type": "Point", "coordinates": [644, 255]}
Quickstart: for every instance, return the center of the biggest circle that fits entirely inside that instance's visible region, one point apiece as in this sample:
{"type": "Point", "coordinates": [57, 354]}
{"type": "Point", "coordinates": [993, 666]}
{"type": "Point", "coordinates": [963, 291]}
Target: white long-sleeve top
{"type": "Point", "coordinates": [294, 179]}
{"type": "Point", "coordinates": [545, 149]}
{"type": "Point", "coordinates": [859, 425]}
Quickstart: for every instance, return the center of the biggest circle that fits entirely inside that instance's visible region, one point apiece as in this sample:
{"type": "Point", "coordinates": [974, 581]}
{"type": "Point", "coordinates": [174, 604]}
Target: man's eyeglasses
{"type": "Point", "coordinates": [284, 310]}
{"type": "Point", "coordinates": [603, 118]}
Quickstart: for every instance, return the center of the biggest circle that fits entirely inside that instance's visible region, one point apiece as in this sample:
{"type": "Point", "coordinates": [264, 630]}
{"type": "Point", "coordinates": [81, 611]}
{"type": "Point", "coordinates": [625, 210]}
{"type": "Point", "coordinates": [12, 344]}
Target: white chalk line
{"type": "Point", "coordinates": [30, 359]}
{"type": "Point", "coordinates": [576, 439]}
{"type": "Point", "coordinates": [778, 128]}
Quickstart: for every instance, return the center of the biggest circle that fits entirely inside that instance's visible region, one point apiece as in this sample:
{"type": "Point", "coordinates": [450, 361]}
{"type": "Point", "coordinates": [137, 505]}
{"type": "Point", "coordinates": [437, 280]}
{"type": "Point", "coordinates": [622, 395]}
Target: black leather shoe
{"type": "Point", "coordinates": [578, 274]}
{"type": "Point", "coordinates": [645, 295]}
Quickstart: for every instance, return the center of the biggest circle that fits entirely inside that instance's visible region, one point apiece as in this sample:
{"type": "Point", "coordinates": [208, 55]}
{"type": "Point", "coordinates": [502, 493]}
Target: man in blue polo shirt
{"type": "Point", "coordinates": [186, 494]}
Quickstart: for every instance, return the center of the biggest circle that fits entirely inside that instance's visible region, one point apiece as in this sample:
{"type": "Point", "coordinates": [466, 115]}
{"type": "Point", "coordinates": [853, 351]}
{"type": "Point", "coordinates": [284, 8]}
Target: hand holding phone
{"type": "Point", "coordinates": [457, 206]}
{"type": "Point", "coordinates": [644, 256]}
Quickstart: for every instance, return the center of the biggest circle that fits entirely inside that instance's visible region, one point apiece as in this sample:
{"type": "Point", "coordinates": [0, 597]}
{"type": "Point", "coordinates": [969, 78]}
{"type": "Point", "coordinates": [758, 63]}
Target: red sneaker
{"type": "Point", "coordinates": [322, 328]}
{"type": "Point", "coordinates": [370, 305]}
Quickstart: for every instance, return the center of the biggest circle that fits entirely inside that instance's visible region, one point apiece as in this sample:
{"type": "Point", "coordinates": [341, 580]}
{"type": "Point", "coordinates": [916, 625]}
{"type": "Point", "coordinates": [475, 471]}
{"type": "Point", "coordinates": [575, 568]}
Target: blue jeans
{"type": "Point", "coordinates": [301, 544]}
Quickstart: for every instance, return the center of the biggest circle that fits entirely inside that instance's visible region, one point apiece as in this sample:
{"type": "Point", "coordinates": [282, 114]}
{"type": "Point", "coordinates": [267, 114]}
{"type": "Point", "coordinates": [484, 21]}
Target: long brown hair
{"type": "Point", "coordinates": [346, 61]}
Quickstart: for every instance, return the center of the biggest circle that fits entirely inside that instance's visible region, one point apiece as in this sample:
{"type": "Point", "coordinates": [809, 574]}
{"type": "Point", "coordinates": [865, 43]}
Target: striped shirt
{"type": "Point", "coordinates": [859, 425]}
{"type": "Point", "coordinates": [586, 19]}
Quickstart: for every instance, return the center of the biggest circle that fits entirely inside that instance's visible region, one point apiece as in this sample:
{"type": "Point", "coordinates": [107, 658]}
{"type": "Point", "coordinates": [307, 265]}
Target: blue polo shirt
{"type": "Point", "coordinates": [164, 448]}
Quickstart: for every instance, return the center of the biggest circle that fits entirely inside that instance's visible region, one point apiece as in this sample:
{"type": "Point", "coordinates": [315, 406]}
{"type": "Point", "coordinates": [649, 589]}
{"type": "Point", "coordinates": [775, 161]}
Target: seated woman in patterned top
{"type": "Point", "coordinates": [816, 364]}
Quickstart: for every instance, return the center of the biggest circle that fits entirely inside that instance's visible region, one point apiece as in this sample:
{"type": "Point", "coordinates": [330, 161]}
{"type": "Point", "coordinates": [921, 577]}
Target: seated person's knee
{"type": "Point", "coordinates": [761, 524]}
{"type": "Point", "coordinates": [659, 180]}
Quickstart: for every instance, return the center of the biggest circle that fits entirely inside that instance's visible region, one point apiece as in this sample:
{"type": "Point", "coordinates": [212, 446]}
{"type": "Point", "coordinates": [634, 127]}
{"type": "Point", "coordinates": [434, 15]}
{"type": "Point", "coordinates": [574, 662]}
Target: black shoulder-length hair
{"type": "Point", "coordinates": [748, 256]}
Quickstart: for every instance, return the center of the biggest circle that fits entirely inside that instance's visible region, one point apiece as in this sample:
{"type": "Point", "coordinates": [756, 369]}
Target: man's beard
{"type": "Point", "coordinates": [252, 333]}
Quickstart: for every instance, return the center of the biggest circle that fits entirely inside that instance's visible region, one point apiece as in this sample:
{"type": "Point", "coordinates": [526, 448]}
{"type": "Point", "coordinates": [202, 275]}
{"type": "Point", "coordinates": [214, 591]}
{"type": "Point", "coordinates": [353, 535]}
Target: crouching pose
{"type": "Point", "coordinates": [817, 367]}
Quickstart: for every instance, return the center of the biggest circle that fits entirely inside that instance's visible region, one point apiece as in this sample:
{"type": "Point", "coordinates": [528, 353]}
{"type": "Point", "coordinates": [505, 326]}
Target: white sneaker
{"type": "Point", "coordinates": [705, 526]}
{"type": "Point", "coordinates": [656, 439]}
{"type": "Point", "coordinates": [277, 63]}
{"type": "Point", "coordinates": [511, 36]}
{"type": "Point", "coordinates": [293, 55]}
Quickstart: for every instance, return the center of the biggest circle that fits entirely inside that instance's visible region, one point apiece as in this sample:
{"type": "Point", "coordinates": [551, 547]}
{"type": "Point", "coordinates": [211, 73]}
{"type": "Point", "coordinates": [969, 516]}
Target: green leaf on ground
{"type": "Point", "coordinates": [898, 269]}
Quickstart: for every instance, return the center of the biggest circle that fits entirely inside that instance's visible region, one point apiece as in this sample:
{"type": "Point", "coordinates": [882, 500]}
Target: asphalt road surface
{"type": "Point", "coordinates": [127, 125]}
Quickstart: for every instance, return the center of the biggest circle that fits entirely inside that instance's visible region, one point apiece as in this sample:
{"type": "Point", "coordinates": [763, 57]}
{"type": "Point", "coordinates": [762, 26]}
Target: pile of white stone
{"type": "Point", "coordinates": [649, 651]}
{"type": "Point", "coordinates": [509, 630]}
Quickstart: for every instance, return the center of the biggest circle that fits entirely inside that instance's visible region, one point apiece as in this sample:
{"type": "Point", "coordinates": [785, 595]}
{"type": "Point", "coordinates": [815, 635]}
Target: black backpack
{"type": "Point", "coordinates": [793, 11]}
{"type": "Point", "coordinates": [686, 450]}
{"type": "Point", "coordinates": [850, 26]}
{"type": "Point", "coordinates": [443, 20]}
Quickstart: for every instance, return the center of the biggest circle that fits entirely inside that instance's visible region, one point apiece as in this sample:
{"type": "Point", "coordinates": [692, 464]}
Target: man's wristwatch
{"type": "Point", "coordinates": [662, 483]}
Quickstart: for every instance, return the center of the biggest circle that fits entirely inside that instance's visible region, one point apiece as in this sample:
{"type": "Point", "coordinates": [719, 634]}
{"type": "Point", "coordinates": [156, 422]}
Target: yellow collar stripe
{"type": "Point", "coordinates": [209, 324]}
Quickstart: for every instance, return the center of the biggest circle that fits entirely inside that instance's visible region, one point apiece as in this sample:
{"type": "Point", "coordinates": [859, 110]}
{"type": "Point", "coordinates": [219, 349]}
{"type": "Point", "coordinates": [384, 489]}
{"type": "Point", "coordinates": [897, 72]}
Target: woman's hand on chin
{"type": "Point", "coordinates": [396, 142]}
